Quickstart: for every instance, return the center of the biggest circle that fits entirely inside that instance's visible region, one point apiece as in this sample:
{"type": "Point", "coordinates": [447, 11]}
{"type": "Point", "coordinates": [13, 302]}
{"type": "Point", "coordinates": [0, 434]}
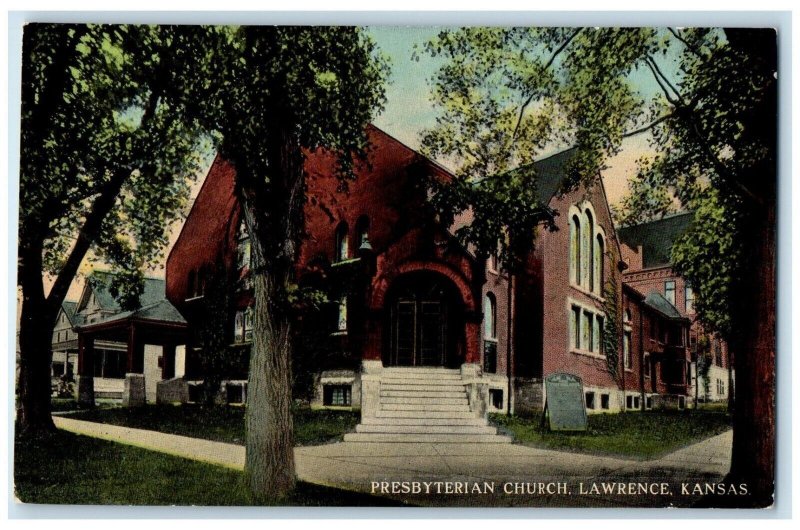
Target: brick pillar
{"type": "Point", "coordinates": [135, 351]}
{"type": "Point", "coordinates": [85, 379]}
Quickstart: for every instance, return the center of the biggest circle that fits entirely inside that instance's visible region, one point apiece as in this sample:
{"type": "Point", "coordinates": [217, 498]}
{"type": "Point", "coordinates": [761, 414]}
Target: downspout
{"type": "Point", "coordinates": [641, 357]}
{"type": "Point", "coordinates": [509, 338]}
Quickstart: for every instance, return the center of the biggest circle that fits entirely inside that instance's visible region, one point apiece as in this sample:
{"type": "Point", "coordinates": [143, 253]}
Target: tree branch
{"type": "Point", "coordinates": [546, 66]}
{"type": "Point", "coordinates": [666, 79]}
{"type": "Point", "coordinates": [649, 126]}
{"type": "Point", "coordinates": [685, 43]}
{"type": "Point", "coordinates": [661, 84]}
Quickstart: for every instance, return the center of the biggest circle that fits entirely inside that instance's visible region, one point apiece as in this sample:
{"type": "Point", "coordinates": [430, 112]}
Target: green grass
{"type": "Point", "coordinates": [223, 423]}
{"type": "Point", "coordinates": [643, 435]}
{"type": "Point", "coordinates": [66, 468]}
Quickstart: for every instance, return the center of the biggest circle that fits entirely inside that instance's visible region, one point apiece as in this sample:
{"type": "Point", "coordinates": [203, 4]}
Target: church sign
{"type": "Point", "coordinates": [564, 402]}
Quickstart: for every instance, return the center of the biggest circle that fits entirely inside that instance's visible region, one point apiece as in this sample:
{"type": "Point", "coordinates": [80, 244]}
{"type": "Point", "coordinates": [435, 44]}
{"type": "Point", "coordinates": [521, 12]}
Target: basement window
{"type": "Point", "coordinates": [337, 395]}
{"type": "Point", "coordinates": [605, 401]}
{"type": "Point", "coordinates": [590, 400]}
{"type": "Point", "coordinates": [496, 398]}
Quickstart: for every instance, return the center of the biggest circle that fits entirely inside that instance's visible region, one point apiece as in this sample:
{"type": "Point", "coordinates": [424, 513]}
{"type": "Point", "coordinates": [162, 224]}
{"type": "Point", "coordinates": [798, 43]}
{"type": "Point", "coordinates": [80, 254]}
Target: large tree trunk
{"type": "Point", "coordinates": [270, 442]}
{"type": "Point", "coordinates": [753, 458]}
{"type": "Point", "coordinates": [36, 355]}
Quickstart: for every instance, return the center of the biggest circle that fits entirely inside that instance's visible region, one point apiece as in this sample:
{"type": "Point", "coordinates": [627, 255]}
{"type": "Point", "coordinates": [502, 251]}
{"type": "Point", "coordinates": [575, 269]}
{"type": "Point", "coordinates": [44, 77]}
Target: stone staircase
{"type": "Point", "coordinates": [424, 405]}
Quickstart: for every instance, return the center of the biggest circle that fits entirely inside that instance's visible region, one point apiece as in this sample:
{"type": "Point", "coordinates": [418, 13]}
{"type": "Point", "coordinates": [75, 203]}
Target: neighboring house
{"type": "Point", "coordinates": [65, 343]}
{"type": "Point", "coordinates": [114, 344]}
{"type": "Point", "coordinates": [417, 324]}
{"type": "Point", "coordinates": [647, 250]}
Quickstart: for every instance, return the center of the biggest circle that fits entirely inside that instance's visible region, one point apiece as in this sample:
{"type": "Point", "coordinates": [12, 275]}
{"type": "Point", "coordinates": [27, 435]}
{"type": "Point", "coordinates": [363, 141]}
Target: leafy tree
{"type": "Point", "coordinates": [508, 94]}
{"type": "Point", "coordinates": [647, 198]}
{"type": "Point", "coordinates": [279, 93]}
{"type": "Point", "coordinates": [108, 143]}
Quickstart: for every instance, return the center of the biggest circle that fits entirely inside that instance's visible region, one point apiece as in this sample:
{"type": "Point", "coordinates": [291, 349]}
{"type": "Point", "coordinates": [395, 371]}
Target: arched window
{"type": "Point", "coordinates": [362, 230]}
{"type": "Point", "coordinates": [575, 250]}
{"type": "Point", "coordinates": [598, 265]}
{"type": "Point", "coordinates": [626, 317]}
{"type": "Point", "coordinates": [490, 316]}
{"type": "Point", "coordinates": [342, 243]}
{"type": "Point", "coordinates": [588, 244]}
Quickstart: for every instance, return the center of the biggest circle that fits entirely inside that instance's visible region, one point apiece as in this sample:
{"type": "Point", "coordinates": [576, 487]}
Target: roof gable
{"type": "Point", "coordinates": [656, 238]}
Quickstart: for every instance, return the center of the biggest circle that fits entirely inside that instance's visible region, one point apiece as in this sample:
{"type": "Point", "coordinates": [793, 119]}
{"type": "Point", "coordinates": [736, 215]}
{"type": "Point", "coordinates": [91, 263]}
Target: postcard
{"type": "Point", "coordinates": [427, 266]}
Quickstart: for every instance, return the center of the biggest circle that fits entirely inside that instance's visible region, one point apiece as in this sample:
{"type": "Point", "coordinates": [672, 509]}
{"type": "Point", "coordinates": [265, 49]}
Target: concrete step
{"type": "Point", "coordinates": [426, 438]}
{"type": "Point", "coordinates": [471, 420]}
{"type": "Point", "coordinates": [421, 370]}
{"type": "Point", "coordinates": [422, 413]}
{"type": "Point", "coordinates": [424, 387]}
{"type": "Point", "coordinates": [427, 429]}
{"type": "Point", "coordinates": [423, 394]}
{"type": "Point", "coordinates": [416, 382]}
{"type": "Point", "coordinates": [426, 407]}
{"type": "Point", "coordinates": [407, 400]}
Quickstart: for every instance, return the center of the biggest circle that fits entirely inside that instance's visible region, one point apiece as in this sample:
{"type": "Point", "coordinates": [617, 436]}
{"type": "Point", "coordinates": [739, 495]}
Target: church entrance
{"type": "Point", "coordinates": [425, 322]}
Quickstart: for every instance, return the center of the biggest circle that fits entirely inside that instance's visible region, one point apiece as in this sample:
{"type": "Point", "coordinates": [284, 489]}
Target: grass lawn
{"type": "Point", "coordinates": [643, 435]}
{"type": "Point", "coordinates": [223, 423]}
{"type": "Point", "coordinates": [67, 468]}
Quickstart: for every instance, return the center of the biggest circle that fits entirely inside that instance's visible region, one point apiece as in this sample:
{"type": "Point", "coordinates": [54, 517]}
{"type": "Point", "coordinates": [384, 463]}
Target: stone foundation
{"type": "Point", "coordinates": [528, 396]}
{"type": "Point", "coordinates": [134, 394]}
{"type": "Point", "coordinates": [84, 390]}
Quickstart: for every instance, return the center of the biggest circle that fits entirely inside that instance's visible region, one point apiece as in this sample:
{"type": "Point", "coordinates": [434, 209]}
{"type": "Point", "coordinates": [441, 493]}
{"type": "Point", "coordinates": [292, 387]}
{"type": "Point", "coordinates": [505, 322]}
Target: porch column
{"type": "Point", "coordinates": [134, 395]}
{"type": "Point", "coordinates": [85, 378]}
{"type": "Point", "coordinates": [168, 361]}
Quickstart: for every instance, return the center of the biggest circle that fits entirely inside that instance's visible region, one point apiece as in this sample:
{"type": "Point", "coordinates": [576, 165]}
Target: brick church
{"type": "Point", "coordinates": [416, 322]}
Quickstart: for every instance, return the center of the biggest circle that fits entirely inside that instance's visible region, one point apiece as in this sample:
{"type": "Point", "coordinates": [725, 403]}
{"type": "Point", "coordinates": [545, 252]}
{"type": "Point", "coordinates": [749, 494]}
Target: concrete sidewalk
{"type": "Point", "coordinates": [358, 465]}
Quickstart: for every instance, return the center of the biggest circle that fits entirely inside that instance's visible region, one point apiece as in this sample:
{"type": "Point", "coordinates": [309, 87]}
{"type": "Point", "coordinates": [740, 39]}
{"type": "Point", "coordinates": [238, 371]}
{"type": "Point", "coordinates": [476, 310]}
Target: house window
{"type": "Point", "coordinates": [244, 257]}
{"type": "Point", "coordinates": [496, 398]}
{"type": "Point", "coordinates": [341, 315]}
{"type": "Point", "coordinates": [598, 334]}
{"type": "Point", "coordinates": [669, 291]}
{"type": "Point", "coordinates": [362, 230]}
{"type": "Point", "coordinates": [590, 400]}
{"type": "Point", "coordinates": [342, 242]}
{"type": "Point", "coordinates": [605, 401]}
{"type": "Point", "coordinates": [576, 327]}
{"type": "Point", "coordinates": [717, 352]}
{"type": "Point", "coordinates": [337, 395]}
{"type": "Point", "coordinates": [628, 402]}
{"type": "Point", "coordinates": [587, 337]}
{"type": "Point", "coordinates": [646, 365]}
{"type": "Point", "coordinates": [243, 326]}
{"type": "Point", "coordinates": [490, 317]}
{"type": "Point", "coordinates": [599, 263]}
{"type": "Point", "coordinates": [575, 250]}
{"type": "Point", "coordinates": [689, 299]}
{"type": "Point", "coordinates": [490, 356]}
{"type": "Point", "coordinates": [626, 350]}
{"type": "Point", "coordinates": [590, 250]}
{"type": "Point", "coordinates": [58, 369]}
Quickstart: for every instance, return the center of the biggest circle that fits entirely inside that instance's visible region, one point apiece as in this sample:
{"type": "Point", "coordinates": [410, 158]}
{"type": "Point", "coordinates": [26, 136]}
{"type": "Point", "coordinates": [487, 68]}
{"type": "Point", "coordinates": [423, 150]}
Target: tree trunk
{"type": "Point", "coordinates": [35, 343]}
{"type": "Point", "coordinates": [753, 458]}
{"type": "Point", "coordinates": [269, 462]}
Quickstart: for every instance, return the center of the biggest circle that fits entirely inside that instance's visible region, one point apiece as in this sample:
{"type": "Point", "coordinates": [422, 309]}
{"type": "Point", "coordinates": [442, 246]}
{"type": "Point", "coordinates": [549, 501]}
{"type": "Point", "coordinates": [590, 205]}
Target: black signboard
{"type": "Point", "coordinates": [564, 402]}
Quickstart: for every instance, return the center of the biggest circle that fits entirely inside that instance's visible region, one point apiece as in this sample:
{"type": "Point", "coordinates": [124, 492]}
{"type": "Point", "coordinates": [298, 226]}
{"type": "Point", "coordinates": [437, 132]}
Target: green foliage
{"type": "Point", "coordinates": [709, 256]}
{"type": "Point", "coordinates": [109, 144]}
{"type": "Point", "coordinates": [704, 362]}
{"type": "Point", "coordinates": [612, 330]}
{"type": "Point", "coordinates": [647, 198]}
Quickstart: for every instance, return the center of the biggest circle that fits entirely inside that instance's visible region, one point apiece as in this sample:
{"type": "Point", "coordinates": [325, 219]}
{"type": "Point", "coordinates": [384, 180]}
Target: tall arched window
{"type": "Point", "coordinates": [575, 250]}
{"type": "Point", "coordinates": [598, 265]}
{"type": "Point", "coordinates": [489, 316]}
{"type": "Point", "coordinates": [342, 243]}
{"type": "Point", "coordinates": [588, 261]}
{"type": "Point", "coordinates": [362, 230]}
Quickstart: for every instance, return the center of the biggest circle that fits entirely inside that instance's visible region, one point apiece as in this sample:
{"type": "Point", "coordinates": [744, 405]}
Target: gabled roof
{"type": "Point", "coordinates": [656, 237]}
{"type": "Point", "coordinates": [656, 301]}
{"type": "Point", "coordinates": [69, 307]}
{"type": "Point", "coordinates": [100, 281]}
{"type": "Point", "coordinates": [550, 173]}
{"type": "Point", "coordinates": [161, 311]}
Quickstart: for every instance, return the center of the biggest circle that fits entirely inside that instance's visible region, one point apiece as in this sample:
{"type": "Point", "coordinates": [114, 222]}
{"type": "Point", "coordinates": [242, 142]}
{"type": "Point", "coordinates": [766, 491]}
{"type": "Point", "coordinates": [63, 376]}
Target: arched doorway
{"type": "Point", "coordinates": [425, 322]}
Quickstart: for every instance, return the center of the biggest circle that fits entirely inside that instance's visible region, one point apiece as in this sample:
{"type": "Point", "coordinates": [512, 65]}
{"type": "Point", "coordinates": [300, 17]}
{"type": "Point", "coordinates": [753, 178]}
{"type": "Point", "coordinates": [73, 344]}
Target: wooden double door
{"type": "Point", "coordinates": [422, 323]}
